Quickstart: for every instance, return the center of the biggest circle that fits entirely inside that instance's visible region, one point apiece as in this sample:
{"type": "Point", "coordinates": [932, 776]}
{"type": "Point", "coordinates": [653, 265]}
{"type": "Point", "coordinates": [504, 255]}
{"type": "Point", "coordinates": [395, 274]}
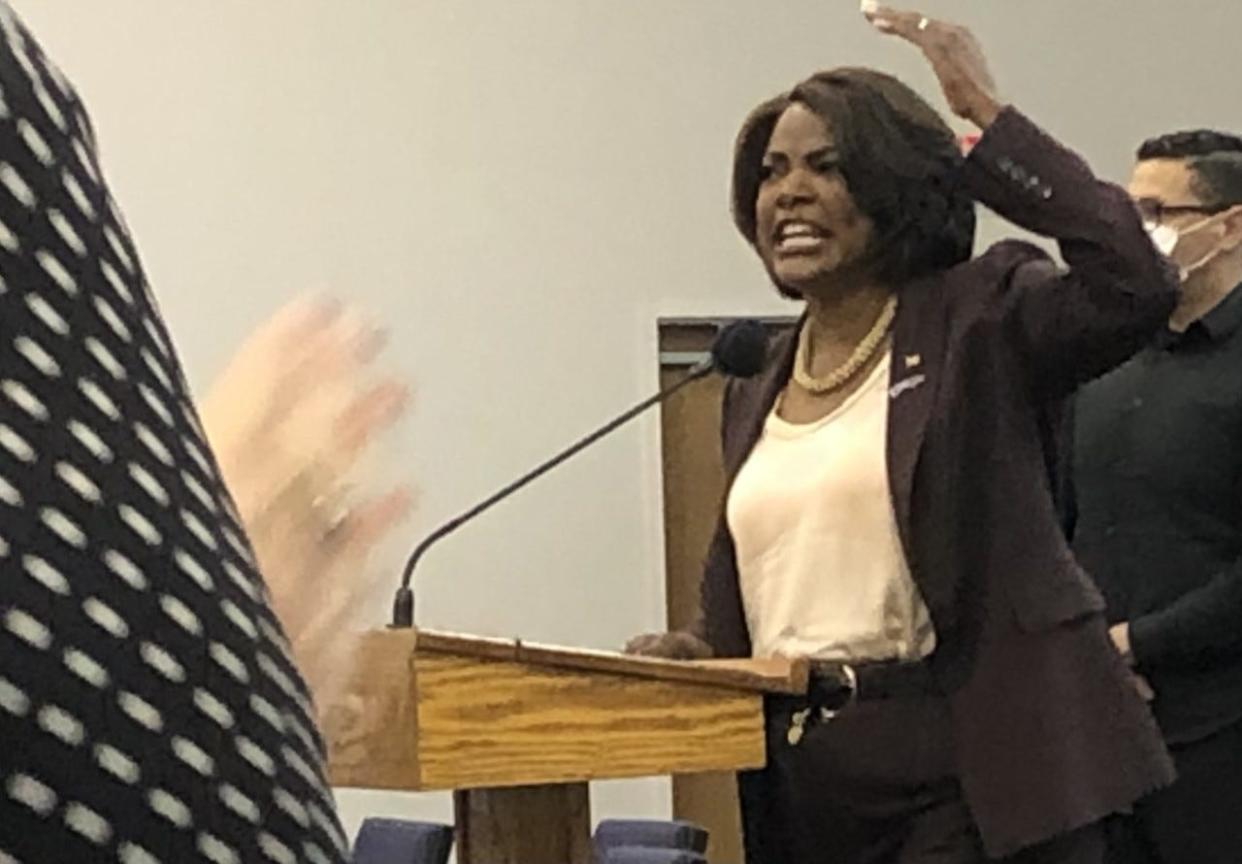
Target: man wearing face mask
{"type": "Point", "coordinates": [1158, 483]}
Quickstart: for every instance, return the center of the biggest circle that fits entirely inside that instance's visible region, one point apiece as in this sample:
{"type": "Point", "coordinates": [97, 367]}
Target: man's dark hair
{"type": "Point", "coordinates": [898, 159]}
{"type": "Point", "coordinates": [1214, 158]}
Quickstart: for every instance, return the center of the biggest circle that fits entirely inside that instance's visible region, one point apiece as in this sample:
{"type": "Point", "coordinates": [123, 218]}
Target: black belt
{"type": "Point", "coordinates": [833, 687]}
{"type": "Point", "coordinates": [836, 685]}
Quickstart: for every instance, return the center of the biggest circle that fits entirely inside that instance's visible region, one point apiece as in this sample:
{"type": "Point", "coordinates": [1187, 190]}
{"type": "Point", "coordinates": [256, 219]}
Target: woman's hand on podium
{"type": "Point", "coordinates": [674, 645]}
{"type": "Point", "coordinates": [292, 420]}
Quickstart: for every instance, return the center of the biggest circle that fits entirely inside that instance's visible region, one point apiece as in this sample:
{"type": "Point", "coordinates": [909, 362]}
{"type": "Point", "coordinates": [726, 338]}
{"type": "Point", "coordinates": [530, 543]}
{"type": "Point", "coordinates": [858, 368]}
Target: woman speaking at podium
{"type": "Point", "coordinates": [891, 510]}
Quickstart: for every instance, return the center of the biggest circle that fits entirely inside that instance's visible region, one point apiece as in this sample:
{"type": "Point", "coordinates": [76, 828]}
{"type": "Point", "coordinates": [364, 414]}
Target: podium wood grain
{"type": "Point", "coordinates": [498, 724]}
{"type": "Point", "coordinates": [372, 733]}
{"type": "Point", "coordinates": [426, 711]}
{"type": "Point", "coordinates": [518, 730]}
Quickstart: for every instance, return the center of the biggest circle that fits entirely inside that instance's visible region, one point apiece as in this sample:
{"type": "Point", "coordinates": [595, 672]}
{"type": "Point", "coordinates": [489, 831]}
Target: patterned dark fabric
{"type": "Point", "coordinates": [149, 711]}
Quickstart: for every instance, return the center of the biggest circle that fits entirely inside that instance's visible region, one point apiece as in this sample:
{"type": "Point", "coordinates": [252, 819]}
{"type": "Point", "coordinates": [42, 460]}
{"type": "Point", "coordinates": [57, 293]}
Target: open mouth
{"type": "Point", "coordinates": [799, 237]}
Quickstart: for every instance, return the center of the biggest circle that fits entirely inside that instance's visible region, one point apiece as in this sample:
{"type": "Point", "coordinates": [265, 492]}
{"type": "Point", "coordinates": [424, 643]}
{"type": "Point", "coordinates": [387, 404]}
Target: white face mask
{"type": "Point", "coordinates": [1167, 238]}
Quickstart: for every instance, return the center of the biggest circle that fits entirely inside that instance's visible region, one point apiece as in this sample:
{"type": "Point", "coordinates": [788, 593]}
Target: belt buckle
{"type": "Point", "coordinates": [801, 720]}
{"type": "Point", "coordinates": [851, 681]}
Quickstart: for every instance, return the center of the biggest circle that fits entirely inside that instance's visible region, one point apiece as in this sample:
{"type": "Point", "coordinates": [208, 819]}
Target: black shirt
{"type": "Point", "coordinates": [1157, 476]}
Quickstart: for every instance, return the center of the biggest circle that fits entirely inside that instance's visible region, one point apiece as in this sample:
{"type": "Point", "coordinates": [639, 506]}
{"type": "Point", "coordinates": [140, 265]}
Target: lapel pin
{"type": "Point", "coordinates": [913, 361]}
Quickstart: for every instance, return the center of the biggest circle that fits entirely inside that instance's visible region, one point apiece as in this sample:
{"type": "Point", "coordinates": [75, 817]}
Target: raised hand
{"type": "Point", "coordinates": [955, 56]}
{"type": "Point", "coordinates": [292, 420]}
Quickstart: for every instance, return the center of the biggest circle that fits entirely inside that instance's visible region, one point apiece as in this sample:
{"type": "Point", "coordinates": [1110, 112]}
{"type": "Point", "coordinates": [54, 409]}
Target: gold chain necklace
{"type": "Point", "coordinates": [842, 374]}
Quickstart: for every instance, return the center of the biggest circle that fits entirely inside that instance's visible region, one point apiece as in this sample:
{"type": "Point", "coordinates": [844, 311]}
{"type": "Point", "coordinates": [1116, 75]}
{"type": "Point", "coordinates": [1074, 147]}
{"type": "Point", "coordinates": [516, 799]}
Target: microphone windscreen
{"type": "Point", "coordinates": [740, 349]}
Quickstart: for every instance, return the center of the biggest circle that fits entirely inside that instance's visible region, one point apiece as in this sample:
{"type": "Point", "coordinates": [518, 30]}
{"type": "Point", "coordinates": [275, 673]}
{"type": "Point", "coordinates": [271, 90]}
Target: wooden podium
{"type": "Point", "coordinates": [518, 730]}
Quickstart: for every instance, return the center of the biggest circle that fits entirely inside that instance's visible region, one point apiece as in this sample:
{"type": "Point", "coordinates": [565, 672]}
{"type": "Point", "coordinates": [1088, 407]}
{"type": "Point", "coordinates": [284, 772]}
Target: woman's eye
{"type": "Point", "coordinates": [828, 166]}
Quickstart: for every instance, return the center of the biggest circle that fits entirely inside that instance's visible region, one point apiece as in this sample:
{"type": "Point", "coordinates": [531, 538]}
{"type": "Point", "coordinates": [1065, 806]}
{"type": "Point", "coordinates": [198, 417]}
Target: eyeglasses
{"type": "Point", "coordinates": [1154, 211]}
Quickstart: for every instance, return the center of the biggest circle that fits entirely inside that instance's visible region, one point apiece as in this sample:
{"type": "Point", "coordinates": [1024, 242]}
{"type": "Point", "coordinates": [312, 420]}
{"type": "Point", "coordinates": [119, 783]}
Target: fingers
{"type": "Point", "coordinates": [933, 36]}
{"type": "Point", "coordinates": [336, 538]}
{"type": "Point", "coordinates": [295, 320]}
{"type": "Point", "coordinates": [286, 362]}
{"type": "Point", "coordinates": [369, 414]}
{"type": "Point", "coordinates": [368, 340]}
{"type": "Point", "coordinates": [303, 344]}
{"type": "Point", "coordinates": [693, 648]}
{"type": "Point", "coordinates": [318, 592]}
{"type": "Point", "coordinates": [346, 592]}
{"type": "Point", "coordinates": [911, 26]}
{"type": "Point", "coordinates": [336, 352]}
{"type": "Point", "coordinates": [955, 56]}
{"type": "Point", "coordinates": [676, 645]}
{"type": "Point", "coordinates": [915, 28]}
{"type": "Point", "coordinates": [315, 407]}
{"type": "Point", "coordinates": [371, 522]}
{"type": "Point", "coordinates": [328, 435]}
{"type": "Point", "coordinates": [644, 644]}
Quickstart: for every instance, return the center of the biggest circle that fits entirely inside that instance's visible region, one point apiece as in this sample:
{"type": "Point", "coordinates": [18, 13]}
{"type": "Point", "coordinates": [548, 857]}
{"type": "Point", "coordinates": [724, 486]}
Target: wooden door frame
{"type": "Point", "coordinates": [684, 342]}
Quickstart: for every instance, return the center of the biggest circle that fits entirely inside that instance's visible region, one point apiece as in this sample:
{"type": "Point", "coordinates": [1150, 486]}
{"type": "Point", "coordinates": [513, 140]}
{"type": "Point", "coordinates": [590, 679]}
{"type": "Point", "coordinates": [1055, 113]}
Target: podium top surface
{"type": "Point", "coordinates": [774, 675]}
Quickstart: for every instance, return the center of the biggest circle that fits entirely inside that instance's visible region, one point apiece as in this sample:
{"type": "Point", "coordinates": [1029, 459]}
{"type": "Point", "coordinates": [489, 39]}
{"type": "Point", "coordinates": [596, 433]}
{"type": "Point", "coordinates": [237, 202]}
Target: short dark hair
{"type": "Point", "coordinates": [1214, 158]}
{"type": "Point", "coordinates": [1188, 144]}
{"type": "Point", "coordinates": [898, 158]}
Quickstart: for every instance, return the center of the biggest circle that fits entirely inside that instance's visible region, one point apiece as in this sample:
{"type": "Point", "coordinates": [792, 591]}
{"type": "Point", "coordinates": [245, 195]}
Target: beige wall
{"type": "Point", "coordinates": [520, 187]}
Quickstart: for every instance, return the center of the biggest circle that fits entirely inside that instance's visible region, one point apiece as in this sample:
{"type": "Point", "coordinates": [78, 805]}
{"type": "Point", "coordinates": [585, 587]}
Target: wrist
{"type": "Point", "coordinates": [984, 114]}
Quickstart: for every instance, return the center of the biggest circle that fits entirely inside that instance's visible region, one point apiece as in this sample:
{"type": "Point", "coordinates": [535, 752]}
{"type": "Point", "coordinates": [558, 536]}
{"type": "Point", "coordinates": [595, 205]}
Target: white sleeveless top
{"type": "Point", "coordinates": [823, 573]}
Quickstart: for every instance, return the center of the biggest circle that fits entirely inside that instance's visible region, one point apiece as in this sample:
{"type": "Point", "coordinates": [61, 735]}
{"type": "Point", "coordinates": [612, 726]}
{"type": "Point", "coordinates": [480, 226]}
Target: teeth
{"type": "Point", "coordinates": [805, 241]}
{"type": "Point", "coordinates": [799, 229]}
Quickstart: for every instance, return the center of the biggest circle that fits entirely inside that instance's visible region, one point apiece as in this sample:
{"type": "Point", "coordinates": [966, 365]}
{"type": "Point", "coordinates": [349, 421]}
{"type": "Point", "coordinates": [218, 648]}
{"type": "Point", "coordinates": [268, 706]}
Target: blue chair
{"type": "Point", "coordinates": [650, 834]}
{"type": "Point", "coordinates": [401, 841]}
{"type": "Point", "coordinates": [651, 855]}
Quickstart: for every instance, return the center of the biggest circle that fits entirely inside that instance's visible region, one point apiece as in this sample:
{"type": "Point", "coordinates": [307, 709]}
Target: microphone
{"type": "Point", "coordinates": [738, 351]}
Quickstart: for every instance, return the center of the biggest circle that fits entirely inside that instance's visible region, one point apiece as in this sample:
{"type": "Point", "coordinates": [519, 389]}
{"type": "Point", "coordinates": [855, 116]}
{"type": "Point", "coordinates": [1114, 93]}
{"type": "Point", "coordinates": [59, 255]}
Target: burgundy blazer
{"type": "Point", "coordinates": [1049, 733]}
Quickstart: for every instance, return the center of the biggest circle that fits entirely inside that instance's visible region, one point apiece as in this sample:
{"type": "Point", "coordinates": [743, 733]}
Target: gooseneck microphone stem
{"type": "Point", "coordinates": [403, 605]}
